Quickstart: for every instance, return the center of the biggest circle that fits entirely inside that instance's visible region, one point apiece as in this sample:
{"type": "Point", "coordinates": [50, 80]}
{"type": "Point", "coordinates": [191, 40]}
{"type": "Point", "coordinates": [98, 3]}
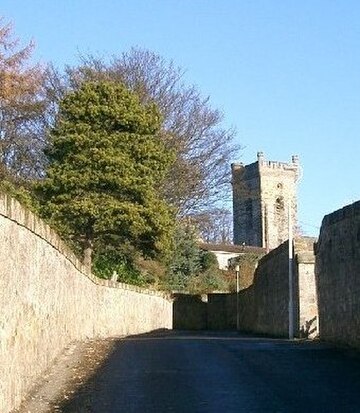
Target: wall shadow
{"type": "Point", "coordinates": [95, 383]}
{"type": "Point", "coordinates": [215, 311]}
{"type": "Point", "coordinates": [190, 312]}
{"type": "Point", "coordinates": [143, 373]}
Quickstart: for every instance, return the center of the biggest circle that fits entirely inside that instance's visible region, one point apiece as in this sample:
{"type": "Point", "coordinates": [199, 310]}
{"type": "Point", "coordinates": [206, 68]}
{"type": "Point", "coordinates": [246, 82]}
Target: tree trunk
{"type": "Point", "coordinates": [88, 249]}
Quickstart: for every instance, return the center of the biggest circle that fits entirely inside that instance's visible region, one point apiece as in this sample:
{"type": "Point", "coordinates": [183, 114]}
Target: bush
{"type": "Point", "coordinates": [207, 282]}
{"type": "Point", "coordinates": [107, 262]}
{"type": "Point", "coordinates": [208, 261]}
{"type": "Point", "coordinates": [247, 264]}
{"type": "Point", "coordinates": [21, 193]}
{"type": "Point", "coordinates": [153, 272]}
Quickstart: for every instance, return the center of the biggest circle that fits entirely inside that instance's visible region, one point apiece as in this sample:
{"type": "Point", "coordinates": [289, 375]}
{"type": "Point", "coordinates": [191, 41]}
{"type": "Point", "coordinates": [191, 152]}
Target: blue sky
{"type": "Point", "coordinates": [284, 72]}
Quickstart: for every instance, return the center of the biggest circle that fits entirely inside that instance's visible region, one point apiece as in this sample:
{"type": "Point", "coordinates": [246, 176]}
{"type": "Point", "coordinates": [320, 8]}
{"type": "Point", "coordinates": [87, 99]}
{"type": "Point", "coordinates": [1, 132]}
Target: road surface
{"type": "Point", "coordinates": [219, 372]}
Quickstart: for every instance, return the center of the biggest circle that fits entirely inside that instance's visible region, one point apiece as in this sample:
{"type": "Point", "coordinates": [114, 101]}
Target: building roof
{"type": "Point", "coordinates": [231, 248]}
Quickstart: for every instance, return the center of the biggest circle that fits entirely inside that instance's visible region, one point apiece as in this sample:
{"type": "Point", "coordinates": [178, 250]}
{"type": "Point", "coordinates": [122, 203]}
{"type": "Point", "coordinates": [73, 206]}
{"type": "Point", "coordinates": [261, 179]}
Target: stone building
{"type": "Point", "coordinates": [263, 194]}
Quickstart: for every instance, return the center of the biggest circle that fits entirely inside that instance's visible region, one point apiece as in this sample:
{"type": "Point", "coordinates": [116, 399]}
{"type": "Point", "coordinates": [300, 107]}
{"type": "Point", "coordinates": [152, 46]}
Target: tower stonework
{"type": "Point", "coordinates": [263, 194]}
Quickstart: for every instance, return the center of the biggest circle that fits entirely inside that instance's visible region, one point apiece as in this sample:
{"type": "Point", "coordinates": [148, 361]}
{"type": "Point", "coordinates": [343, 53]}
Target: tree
{"type": "Point", "coordinates": [214, 226]}
{"type": "Point", "coordinates": [190, 268]}
{"type": "Point", "coordinates": [21, 109]}
{"type": "Point", "coordinates": [105, 161]}
{"type": "Point", "coordinates": [199, 176]}
{"type": "Point", "coordinates": [185, 260]}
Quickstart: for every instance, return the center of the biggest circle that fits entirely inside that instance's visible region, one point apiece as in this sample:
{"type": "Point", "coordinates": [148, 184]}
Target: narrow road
{"type": "Point", "coordinates": [219, 372]}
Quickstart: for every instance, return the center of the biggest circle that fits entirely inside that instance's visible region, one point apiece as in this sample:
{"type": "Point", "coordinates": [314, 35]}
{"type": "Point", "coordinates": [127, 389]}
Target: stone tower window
{"type": "Point", "coordinates": [279, 205]}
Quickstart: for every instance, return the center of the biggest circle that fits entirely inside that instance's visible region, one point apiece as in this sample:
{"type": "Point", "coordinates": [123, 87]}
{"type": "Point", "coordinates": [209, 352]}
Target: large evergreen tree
{"type": "Point", "coordinates": [105, 164]}
{"type": "Point", "coordinates": [192, 128]}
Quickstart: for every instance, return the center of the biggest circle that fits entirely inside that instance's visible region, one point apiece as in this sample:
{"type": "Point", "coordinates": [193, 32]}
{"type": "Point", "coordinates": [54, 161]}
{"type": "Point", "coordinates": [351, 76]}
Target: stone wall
{"type": "Point", "coordinates": [263, 307]}
{"type": "Point", "coordinates": [215, 311]}
{"type": "Point", "coordinates": [48, 299]}
{"type": "Point", "coordinates": [190, 311]}
{"type": "Point", "coordinates": [221, 311]}
{"type": "Point", "coordinates": [306, 288]}
{"type": "Point", "coordinates": [338, 276]}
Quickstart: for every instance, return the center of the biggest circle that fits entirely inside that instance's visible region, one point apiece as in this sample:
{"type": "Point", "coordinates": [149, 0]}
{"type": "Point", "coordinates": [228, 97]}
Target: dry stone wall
{"type": "Point", "coordinates": [48, 299]}
{"type": "Point", "coordinates": [338, 276]}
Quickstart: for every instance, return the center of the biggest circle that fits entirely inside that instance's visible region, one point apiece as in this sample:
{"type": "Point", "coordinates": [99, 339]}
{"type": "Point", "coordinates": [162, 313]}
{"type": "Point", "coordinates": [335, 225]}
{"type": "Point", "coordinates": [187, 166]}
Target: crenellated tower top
{"type": "Point", "coordinates": [263, 191]}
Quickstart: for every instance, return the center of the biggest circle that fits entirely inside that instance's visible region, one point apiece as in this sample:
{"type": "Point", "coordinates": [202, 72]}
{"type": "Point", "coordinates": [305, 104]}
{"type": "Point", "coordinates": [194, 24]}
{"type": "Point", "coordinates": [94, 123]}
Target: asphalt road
{"type": "Point", "coordinates": [219, 372]}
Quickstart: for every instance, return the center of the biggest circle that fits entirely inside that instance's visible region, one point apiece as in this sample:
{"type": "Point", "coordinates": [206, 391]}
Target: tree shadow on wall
{"type": "Point", "coordinates": [310, 328]}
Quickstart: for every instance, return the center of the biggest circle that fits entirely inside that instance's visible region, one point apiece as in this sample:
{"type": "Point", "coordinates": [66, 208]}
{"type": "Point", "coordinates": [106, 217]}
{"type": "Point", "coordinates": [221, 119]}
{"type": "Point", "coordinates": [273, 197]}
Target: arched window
{"type": "Point", "coordinates": [279, 205]}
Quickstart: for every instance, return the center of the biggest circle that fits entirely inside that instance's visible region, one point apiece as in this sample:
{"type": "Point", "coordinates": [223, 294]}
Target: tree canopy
{"type": "Point", "coordinates": [21, 109]}
{"type": "Point", "coordinates": [105, 163]}
{"type": "Point", "coordinates": [129, 147]}
{"type": "Point", "coordinates": [203, 148]}
{"type": "Point", "coordinates": [214, 226]}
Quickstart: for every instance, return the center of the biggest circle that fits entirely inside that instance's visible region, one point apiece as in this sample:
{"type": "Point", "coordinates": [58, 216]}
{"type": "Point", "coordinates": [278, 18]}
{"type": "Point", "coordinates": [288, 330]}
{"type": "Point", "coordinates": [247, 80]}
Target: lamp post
{"type": "Point", "coordinates": [291, 278]}
{"type": "Point", "coordinates": [237, 270]}
{"type": "Point", "coordinates": [298, 176]}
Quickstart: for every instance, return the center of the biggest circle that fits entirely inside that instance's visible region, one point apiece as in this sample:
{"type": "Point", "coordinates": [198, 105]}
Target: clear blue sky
{"type": "Point", "coordinates": [284, 72]}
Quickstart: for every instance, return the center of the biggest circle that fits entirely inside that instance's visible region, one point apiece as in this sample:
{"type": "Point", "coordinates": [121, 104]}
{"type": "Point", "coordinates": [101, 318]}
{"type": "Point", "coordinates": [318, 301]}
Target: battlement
{"type": "Point", "coordinates": [259, 193]}
{"type": "Point", "coordinates": [263, 163]}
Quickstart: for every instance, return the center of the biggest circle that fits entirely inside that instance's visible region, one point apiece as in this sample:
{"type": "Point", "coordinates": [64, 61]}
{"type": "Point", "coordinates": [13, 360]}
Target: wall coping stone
{"type": "Point", "coordinates": [301, 245]}
{"type": "Point", "coordinates": [305, 257]}
{"type": "Point", "coordinates": [347, 211]}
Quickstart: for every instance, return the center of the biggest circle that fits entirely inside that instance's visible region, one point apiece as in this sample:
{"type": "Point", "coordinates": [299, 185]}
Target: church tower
{"type": "Point", "coordinates": [263, 194]}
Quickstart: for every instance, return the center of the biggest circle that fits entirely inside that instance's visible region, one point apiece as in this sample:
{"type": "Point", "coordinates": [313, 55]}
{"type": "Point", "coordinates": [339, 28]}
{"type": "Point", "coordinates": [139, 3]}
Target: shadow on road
{"type": "Point", "coordinates": [179, 371]}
